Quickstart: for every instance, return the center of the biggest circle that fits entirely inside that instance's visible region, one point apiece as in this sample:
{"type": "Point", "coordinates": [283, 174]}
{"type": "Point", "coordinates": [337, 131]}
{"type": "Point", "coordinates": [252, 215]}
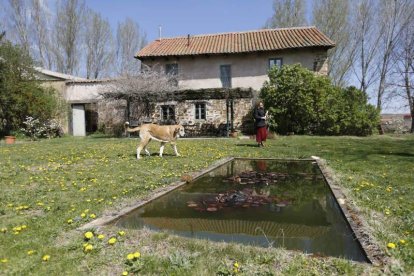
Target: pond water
{"type": "Point", "coordinates": [258, 202]}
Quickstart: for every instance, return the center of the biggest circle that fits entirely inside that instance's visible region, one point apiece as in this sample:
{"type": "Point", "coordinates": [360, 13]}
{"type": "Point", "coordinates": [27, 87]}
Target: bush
{"type": "Point", "coordinates": [20, 93]}
{"type": "Point", "coordinates": [301, 102]}
{"type": "Point", "coordinates": [36, 129]}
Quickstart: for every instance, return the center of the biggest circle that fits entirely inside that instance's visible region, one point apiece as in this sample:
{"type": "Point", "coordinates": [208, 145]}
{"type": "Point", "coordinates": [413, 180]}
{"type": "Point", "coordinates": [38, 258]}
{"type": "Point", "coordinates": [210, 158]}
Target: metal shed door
{"type": "Point", "coordinates": [78, 120]}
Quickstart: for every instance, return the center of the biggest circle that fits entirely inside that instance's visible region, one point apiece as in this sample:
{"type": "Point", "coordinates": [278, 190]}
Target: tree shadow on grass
{"type": "Point", "coordinates": [247, 145]}
{"type": "Point", "coordinates": [152, 154]}
{"type": "Point", "coordinates": [402, 154]}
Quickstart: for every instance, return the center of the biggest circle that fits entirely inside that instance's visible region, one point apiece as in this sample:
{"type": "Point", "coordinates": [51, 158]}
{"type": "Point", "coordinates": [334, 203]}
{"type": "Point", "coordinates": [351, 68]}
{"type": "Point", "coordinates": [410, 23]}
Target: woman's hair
{"type": "Point", "coordinates": [258, 103]}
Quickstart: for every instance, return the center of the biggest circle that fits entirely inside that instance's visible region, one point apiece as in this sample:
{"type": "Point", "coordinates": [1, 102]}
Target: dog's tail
{"type": "Point", "coordinates": [128, 129]}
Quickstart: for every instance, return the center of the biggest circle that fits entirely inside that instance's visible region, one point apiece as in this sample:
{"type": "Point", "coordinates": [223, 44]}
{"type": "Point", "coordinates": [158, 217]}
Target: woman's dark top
{"type": "Point", "coordinates": [258, 114]}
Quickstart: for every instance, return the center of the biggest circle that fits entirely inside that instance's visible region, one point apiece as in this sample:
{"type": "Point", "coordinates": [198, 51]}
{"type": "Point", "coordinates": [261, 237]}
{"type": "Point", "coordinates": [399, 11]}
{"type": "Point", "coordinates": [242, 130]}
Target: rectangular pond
{"type": "Point", "coordinates": [258, 202]}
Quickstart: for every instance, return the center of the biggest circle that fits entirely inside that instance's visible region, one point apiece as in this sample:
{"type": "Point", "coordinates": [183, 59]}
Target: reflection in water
{"type": "Point", "coordinates": [258, 202]}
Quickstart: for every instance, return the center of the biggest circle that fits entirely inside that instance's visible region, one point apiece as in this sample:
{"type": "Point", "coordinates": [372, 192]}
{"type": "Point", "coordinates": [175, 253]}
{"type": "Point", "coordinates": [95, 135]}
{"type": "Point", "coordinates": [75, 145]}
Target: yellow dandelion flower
{"type": "Point", "coordinates": [92, 216]}
{"type": "Point", "coordinates": [17, 228]}
{"type": "Point", "coordinates": [88, 248]}
{"type": "Point", "coordinates": [121, 233]}
{"type": "Point", "coordinates": [112, 241]}
{"type": "Point", "coordinates": [30, 252]}
{"type": "Point", "coordinates": [4, 260]}
{"type": "Point", "coordinates": [236, 264]}
{"type": "Point", "coordinates": [391, 245]}
{"type": "Point", "coordinates": [3, 230]}
{"type": "Point", "coordinates": [83, 215]}
{"type": "Point", "coordinates": [88, 235]}
{"type": "Point", "coordinates": [125, 273]}
{"type": "Point", "coordinates": [137, 254]}
{"type": "Point", "coordinates": [101, 237]}
{"type": "Point", "coordinates": [130, 256]}
{"type": "Point", "coordinates": [70, 221]}
{"type": "Point", "coordinates": [403, 242]}
{"type": "Point", "coordinates": [46, 258]}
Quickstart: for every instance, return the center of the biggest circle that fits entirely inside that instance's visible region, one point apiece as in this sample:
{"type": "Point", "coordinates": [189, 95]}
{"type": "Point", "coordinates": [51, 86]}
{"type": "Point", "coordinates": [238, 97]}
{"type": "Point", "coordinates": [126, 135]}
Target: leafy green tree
{"type": "Point", "coordinates": [20, 94]}
{"type": "Point", "coordinates": [357, 116]}
{"type": "Point", "coordinates": [301, 102]}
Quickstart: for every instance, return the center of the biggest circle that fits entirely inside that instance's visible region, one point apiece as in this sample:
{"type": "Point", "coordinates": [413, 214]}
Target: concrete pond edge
{"type": "Point", "coordinates": [354, 218]}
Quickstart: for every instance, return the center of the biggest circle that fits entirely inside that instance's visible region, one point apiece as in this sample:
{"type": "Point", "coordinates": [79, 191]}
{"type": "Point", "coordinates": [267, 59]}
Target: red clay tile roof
{"type": "Point", "coordinates": [243, 42]}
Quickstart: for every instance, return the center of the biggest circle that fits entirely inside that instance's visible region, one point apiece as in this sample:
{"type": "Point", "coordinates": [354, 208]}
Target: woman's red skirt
{"type": "Point", "coordinates": [261, 134]}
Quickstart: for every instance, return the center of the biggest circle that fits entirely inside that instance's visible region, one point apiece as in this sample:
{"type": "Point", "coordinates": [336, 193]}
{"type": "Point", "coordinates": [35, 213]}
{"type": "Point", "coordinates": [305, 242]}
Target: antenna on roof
{"type": "Point", "coordinates": [188, 40]}
{"type": "Point", "coordinates": [159, 32]}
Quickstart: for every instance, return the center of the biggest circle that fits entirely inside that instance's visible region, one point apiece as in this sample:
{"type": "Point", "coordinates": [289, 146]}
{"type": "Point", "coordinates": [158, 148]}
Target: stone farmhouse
{"type": "Point", "coordinates": [219, 78]}
{"type": "Point", "coordinates": [222, 73]}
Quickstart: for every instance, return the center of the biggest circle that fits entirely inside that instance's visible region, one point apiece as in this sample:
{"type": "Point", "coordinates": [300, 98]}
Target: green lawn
{"type": "Point", "coordinates": [51, 187]}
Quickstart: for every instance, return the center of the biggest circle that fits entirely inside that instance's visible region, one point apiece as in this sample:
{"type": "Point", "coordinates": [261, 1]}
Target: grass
{"type": "Point", "coordinates": [51, 187]}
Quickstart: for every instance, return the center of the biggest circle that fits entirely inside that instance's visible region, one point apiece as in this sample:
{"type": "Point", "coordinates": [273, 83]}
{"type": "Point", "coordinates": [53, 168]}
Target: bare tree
{"type": "Point", "coordinates": [287, 13]}
{"type": "Point", "coordinates": [366, 37]}
{"type": "Point", "coordinates": [40, 33]}
{"type": "Point", "coordinates": [67, 35]}
{"type": "Point", "coordinates": [332, 18]}
{"type": "Point", "coordinates": [19, 21]}
{"type": "Point", "coordinates": [99, 45]}
{"type": "Point", "coordinates": [143, 89]}
{"type": "Point", "coordinates": [403, 73]}
{"type": "Point", "coordinates": [394, 18]}
{"type": "Point", "coordinates": [130, 39]}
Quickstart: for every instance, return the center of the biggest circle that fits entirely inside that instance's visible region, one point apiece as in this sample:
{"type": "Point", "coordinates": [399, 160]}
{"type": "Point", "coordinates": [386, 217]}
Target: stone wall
{"type": "Point", "coordinates": [216, 117]}
{"type": "Point", "coordinates": [111, 117]}
{"type": "Point", "coordinates": [320, 65]}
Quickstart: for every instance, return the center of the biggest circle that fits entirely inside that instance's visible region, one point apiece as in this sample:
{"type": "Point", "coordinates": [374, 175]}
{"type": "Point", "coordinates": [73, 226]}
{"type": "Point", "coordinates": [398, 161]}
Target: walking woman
{"type": "Point", "coordinates": [260, 116]}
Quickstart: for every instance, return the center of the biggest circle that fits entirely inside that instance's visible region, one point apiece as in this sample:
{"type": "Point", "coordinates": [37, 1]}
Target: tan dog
{"type": "Point", "coordinates": [164, 134]}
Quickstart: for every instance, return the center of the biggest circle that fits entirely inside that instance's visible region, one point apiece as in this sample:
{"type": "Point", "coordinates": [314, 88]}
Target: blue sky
{"type": "Point", "coordinates": [182, 17]}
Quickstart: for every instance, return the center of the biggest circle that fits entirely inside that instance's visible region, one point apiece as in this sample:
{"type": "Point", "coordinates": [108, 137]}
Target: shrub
{"type": "Point", "coordinates": [20, 93]}
{"type": "Point", "coordinates": [36, 129]}
{"type": "Point", "coordinates": [301, 102]}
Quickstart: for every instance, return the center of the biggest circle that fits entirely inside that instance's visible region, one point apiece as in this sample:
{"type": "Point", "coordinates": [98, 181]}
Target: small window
{"type": "Point", "coordinates": [225, 76]}
{"type": "Point", "coordinates": [200, 111]}
{"type": "Point", "coordinates": [275, 62]}
{"type": "Point", "coordinates": [171, 69]}
{"type": "Point", "coordinates": [168, 114]}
